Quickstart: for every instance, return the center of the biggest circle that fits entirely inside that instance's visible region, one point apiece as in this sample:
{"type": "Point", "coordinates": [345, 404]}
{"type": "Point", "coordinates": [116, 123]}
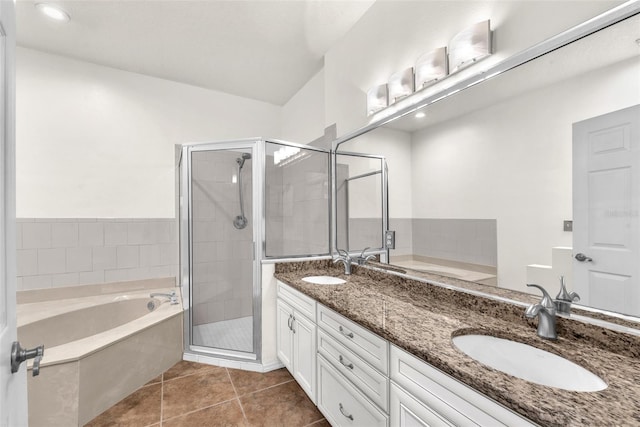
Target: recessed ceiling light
{"type": "Point", "coordinates": [420, 115]}
{"type": "Point", "coordinates": [53, 11]}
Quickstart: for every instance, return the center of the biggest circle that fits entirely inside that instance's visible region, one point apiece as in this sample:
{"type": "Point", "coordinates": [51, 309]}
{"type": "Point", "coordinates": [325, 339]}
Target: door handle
{"type": "Point", "coordinates": [19, 355]}
{"type": "Point", "coordinates": [582, 258]}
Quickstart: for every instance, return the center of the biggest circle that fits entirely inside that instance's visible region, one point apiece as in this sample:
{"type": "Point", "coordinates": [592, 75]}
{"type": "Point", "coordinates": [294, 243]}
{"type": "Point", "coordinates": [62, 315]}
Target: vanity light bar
{"type": "Point", "coordinates": [584, 29]}
{"type": "Point", "coordinates": [466, 48]}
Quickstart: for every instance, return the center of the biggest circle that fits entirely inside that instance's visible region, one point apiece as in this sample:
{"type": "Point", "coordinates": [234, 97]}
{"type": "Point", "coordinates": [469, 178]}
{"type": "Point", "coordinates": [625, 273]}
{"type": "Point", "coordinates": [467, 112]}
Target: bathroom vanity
{"type": "Point", "coordinates": [377, 350]}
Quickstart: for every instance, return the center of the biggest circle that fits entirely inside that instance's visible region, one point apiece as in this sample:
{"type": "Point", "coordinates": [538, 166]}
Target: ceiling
{"type": "Point", "coordinates": [259, 49]}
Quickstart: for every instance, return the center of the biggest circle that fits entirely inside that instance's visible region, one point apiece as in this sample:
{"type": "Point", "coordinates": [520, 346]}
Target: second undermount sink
{"type": "Point", "coordinates": [528, 363]}
{"type": "Point", "coordinates": [324, 280]}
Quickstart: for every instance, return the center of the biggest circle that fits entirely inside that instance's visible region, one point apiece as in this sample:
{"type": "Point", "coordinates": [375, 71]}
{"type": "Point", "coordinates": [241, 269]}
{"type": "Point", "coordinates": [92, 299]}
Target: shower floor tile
{"type": "Point", "coordinates": [234, 334]}
{"type": "Point", "coordinates": [195, 394]}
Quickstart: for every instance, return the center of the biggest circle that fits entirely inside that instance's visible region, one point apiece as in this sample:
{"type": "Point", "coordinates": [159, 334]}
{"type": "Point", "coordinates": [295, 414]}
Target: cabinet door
{"type": "Point", "coordinates": [304, 354]}
{"type": "Point", "coordinates": [284, 336]}
{"type": "Point", "coordinates": [406, 411]}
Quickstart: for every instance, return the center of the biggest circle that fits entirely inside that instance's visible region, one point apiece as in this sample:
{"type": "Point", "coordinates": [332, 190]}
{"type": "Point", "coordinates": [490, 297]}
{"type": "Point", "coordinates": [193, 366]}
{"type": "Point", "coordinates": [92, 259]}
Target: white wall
{"type": "Point", "coordinates": [395, 145]}
{"type": "Point", "coordinates": [392, 34]}
{"type": "Point", "coordinates": [512, 161]}
{"type": "Point", "coordinates": [96, 142]}
{"type": "Point", "coordinates": [303, 115]}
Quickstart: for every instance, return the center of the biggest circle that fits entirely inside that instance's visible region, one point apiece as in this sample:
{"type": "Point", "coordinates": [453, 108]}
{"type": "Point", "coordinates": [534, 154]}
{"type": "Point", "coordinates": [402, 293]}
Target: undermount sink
{"type": "Point", "coordinates": [528, 363]}
{"type": "Point", "coordinates": [324, 280]}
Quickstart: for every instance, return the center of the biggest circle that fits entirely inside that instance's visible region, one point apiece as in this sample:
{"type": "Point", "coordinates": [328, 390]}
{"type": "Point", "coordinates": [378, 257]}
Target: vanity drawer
{"type": "Point", "coordinates": [464, 406]}
{"type": "Point", "coordinates": [342, 404]}
{"type": "Point", "coordinates": [371, 382]}
{"type": "Point", "coordinates": [365, 344]}
{"type": "Point", "coordinates": [299, 301]}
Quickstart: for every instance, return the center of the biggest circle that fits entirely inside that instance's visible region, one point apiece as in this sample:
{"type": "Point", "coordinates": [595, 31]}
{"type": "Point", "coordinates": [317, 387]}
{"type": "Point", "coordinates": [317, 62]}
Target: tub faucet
{"type": "Point", "coordinates": [546, 312]}
{"type": "Point", "coordinates": [564, 299]}
{"type": "Point", "coordinates": [344, 257]}
{"type": "Point", "coordinates": [362, 259]}
{"type": "Point", "coordinates": [173, 298]}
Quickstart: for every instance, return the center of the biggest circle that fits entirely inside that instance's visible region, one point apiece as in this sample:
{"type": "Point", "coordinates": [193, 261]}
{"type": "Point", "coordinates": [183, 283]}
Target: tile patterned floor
{"type": "Point", "coordinates": [197, 395]}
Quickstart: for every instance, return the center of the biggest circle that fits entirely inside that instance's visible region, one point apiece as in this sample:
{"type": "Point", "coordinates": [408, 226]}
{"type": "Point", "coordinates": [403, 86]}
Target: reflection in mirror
{"type": "Point", "coordinates": [493, 171]}
{"type": "Point", "coordinates": [296, 214]}
{"type": "Point", "coordinates": [359, 184]}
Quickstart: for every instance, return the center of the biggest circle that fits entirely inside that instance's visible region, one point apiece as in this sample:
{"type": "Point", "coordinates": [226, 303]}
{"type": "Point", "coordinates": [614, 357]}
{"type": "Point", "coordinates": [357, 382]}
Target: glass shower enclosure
{"type": "Point", "coordinates": [242, 202]}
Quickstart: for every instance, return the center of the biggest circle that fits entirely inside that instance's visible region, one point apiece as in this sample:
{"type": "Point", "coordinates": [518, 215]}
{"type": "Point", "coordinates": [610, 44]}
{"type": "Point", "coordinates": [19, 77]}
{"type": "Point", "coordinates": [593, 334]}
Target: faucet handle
{"type": "Point", "coordinates": [546, 301]}
{"type": "Point", "coordinates": [563, 295]}
{"type": "Point", "coordinates": [345, 254]}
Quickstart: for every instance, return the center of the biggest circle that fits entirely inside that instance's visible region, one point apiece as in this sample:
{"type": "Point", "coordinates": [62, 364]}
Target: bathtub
{"type": "Point", "coordinates": [100, 345]}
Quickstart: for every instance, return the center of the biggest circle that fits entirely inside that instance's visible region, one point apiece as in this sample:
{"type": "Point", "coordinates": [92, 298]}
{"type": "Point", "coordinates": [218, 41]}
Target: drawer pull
{"type": "Point", "coordinates": [348, 335]}
{"type": "Point", "coordinates": [289, 321]}
{"type": "Point", "coordinates": [345, 414]}
{"type": "Point", "coordinates": [293, 319]}
{"type": "Point", "coordinates": [350, 365]}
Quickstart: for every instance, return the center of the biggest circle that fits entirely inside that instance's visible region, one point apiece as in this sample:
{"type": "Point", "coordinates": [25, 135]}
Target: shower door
{"type": "Point", "coordinates": [224, 289]}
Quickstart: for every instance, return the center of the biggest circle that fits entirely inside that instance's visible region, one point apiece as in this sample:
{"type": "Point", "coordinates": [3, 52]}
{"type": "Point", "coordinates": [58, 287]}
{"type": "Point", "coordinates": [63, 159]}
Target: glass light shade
{"type": "Point", "coordinates": [469, 46]}
{"type": "Point", "coordinates": [431, 67]}
{"type": "Point", "coordinates": [53, 11]}
{"type": "Point", "coordinates": [400, 85]}
{"type": "Point", "coordinates": [377, 99]}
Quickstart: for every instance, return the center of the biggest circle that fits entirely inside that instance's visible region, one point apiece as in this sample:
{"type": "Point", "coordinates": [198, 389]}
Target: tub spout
{"type": "Point", "coordinates": [173, 298]}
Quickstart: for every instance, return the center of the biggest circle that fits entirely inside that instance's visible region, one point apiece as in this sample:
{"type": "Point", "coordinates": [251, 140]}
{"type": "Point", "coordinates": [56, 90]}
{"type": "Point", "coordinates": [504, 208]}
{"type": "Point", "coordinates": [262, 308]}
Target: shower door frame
{"type": "Point", "coordinates": [383, 251]}
{"type": "Point", "coordinates": [256, 146]}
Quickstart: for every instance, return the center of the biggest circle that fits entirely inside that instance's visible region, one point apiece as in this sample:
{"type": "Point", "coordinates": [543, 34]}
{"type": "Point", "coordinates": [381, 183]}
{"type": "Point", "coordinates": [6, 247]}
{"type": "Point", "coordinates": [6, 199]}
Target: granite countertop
{"type": "Point", "coordinates": [422, 319]}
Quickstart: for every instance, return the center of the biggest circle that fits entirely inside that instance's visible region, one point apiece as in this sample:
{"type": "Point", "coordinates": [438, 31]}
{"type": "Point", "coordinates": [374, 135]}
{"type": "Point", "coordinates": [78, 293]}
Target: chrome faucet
{"type": "Point", "coordinates": [362, 259]}
{"type": "Point", "coordinates": [344, 257]}
{"type": "Point", "coordinates": [546, 312]}
{"type": "Point", "coordinates": [564, 299]}
{"type": "Point", "coordinates": [173, 298]}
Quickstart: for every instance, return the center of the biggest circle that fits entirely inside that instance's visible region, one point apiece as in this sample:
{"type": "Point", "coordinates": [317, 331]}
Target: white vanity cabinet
{"type": "Point", "coordinates": [296, 337]}
{"type": "Point", "coordinates": [357, 378]}
{"type": "Point", "coordinates": [353, 381]}
{"type": "Point", "coordinates": [422, 395]}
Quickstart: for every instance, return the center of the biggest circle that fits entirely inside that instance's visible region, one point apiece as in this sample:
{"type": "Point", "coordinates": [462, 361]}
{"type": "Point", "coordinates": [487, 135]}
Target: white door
{"type": "Point", "coordinates": [13, 387]}
{"type": "Point", "coordinates": [606, 211]}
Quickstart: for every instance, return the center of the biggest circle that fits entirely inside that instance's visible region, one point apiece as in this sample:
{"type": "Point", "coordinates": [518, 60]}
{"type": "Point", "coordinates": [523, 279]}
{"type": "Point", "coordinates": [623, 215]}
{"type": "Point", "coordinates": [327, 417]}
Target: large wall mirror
{"type": "Point", "coordinates": [505, 182]}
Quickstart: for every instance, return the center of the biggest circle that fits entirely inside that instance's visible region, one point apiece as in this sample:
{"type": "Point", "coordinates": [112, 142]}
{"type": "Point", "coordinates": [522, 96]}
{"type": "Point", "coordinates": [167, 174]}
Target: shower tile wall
{"type": "Point", "coordinates": [69, 251]}
{"type": "Point", "coordinates": [222, 255]}
{"type": "Point", "coordinates": [365, 233]}
{"type": "Point", "coordinates": [404, 236]}
{"type": "Point", "coordinates": [297, 217]}
{"type": "Point", "coordinates": [471, 241]}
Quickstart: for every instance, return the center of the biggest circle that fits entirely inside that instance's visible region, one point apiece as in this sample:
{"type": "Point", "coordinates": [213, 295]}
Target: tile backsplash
{"type": "Point", "coordinates": [54, 252]}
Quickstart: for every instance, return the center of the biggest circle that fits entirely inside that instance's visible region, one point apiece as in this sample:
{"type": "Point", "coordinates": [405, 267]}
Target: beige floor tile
{"type": "Point", "coordinates": [285, 405]}
{"type": "Point", "coordinates": [139, 409]}
{"type": "Point", "coordinates": [196, 391]}
{"type": "Point", "coordinates": [228, 414]}
{"type": "Point", "coordinates": [183, 368]}
{"type": "Point", "coordinates": [248, 382]}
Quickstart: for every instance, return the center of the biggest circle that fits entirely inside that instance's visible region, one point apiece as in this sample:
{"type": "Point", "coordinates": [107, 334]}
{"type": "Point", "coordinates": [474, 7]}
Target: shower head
{"type": "Point", "coordinates": [240, 160]}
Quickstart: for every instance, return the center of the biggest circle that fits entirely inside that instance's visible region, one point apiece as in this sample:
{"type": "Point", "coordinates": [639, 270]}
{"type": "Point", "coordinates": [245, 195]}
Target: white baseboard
{"type": "Point", "coordinates": [234, 364]}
